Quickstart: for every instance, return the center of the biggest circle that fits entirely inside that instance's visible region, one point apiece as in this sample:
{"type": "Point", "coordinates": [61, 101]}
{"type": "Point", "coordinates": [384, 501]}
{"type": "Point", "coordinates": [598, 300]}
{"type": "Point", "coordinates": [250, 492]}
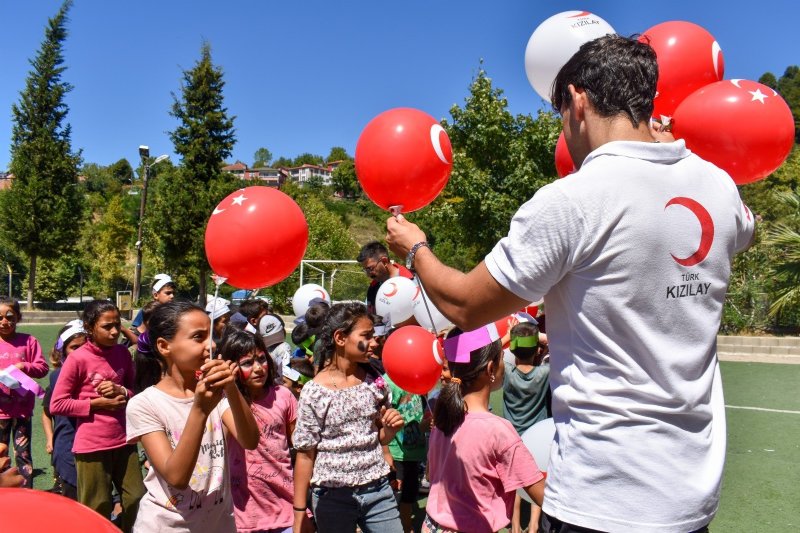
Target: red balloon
{"type": "Point", "coordinates": [688, 58]}
{"type": "Point", "coordinates": [413, 358]}
{"type": "Point", "coordinates": [403, 158]}
{"type": "Point", "coordinates": [36, 510]}
{"type": "Point", "coordinates": [742, 126]}
{"type": "Point", "coordinates": [564, 164]}
{"type": "Point", "coordinates": [256, 237]}
{"type": "Point", "coordinates": [502, 329]}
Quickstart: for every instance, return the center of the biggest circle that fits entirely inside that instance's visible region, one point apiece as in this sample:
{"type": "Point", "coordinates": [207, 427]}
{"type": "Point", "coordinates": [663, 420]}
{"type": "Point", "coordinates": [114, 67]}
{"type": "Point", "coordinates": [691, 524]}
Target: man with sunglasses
{"type": "Point", "coordinates": [374, 259]}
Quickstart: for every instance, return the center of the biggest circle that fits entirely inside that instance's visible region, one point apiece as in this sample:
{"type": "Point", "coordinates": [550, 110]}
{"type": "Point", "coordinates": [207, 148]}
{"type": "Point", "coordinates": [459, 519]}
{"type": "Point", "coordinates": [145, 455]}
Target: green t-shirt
{"type": "Point", "coordinates": [409, 444]}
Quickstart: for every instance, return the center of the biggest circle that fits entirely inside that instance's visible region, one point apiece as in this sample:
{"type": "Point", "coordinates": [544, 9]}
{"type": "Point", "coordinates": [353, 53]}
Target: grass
{"type": "Point", "coordinates": [760, 489]}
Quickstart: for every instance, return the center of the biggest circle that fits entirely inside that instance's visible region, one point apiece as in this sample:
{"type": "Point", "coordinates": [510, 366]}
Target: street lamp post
{"type": "Point", "coordinates": [144, 153]}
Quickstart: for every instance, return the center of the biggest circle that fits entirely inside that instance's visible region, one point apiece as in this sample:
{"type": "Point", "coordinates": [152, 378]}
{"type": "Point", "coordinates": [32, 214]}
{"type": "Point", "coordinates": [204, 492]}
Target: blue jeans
{"type": "Point", "coordinates": [372, 507]}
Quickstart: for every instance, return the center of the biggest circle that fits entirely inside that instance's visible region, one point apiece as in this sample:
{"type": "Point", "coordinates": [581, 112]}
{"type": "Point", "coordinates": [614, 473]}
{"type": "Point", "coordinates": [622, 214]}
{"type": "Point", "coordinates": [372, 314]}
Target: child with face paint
{"type": "Point", "coordinates": [476, 459]}
{"type": "Point", "coordinates": [19, 352]}
{"type": "Point", "coordinates": [525, 393]}
{"type": "Point", "coordinates": [261, 479]}
{"type": "Point", "coordinates": [344, 417]}
{"type": "Point", "coordinates": [60, 430]}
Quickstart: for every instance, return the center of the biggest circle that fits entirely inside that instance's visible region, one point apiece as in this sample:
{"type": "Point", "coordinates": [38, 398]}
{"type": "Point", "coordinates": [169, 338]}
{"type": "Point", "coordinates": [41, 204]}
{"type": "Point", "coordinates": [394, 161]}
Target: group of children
{"type": "Point", "coordinates": [229, 445]}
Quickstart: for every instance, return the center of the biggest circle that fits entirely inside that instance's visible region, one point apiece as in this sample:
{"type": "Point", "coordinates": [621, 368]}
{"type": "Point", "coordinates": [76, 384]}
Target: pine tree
{"type": "Point", "coordinates": [42, 209]}
{"type": "Point", "coordinates": [204, 138]}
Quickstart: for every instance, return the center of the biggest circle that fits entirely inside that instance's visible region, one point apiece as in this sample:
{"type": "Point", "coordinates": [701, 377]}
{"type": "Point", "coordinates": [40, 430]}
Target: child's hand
{"type": "Point", "coordinates": [230, 388]}
{"type": "Point", "coordinates": [391, 420]}
{"type": "Point", "coordinates": [108, 389]}
{"type": "Point", "coordinates": [49, 446]}
{"type": "Point", "coordinates": [108, 404]}
{"type": "Point", "coordinates": [208, 393]}
{"type": "Point", "coordinates": [11, 478]}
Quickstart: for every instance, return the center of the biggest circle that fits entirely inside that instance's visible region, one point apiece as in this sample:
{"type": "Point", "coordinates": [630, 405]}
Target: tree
{"type": "Point", "coordinates": [337, 153]}
{"type": "Point", "coordinates": [307, 159]}
{"type": "Point", "coordinates": [499, 162]}
{"type": "Point", "coordinates": [262, 158]}
{"type": "Point", "coordinates": [41, 210]}
{"type": "Point", "coordinates": [345, 181]}
{"type": "Point", "coordinates": [788, 86]}
{"type": "Point", "coordinates": [121, 171]}
{"type": "Point", "coordinates": [204, 138]}
{"type": "Point", "coordinates": [282, 162]}
{"type": "Point", "coordinates": [315, 182]}
{"type": "Point", "coordinates": [107, 245]}
{"type": "Point", "coordinates": [784, 240]}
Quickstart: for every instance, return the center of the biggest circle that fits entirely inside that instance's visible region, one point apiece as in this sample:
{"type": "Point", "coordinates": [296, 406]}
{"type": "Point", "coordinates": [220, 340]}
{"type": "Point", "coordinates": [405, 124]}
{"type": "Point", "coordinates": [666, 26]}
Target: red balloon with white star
{"type": "Point", "coordinates": [403, 159]}
{"type": "Point", "coordinates": [256, 237]}
{"type": "Point", "coordinates": [742, 126]}
{"type": "Point", "coordinates": [688, 58]}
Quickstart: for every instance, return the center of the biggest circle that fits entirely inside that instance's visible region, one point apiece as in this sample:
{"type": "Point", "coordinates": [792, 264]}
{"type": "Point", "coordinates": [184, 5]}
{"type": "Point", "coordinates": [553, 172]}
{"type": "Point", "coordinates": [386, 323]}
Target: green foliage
{"type": "Point", "coordinates": [262, 158]}
{"type": "Point", "coordinates": [328, 238]}
{"type": "Point", "coordinates": [108, 251]}
{"type": "Point", "coordinates": [784, 242]}
{"type": "Point", "coordinates": [315, 182]}
{"type": "Point", "coordinates": [39, 210]}
{"type": "Point", "coordinates": [56, 278]}
{"type": "Point", "coordinates": [282, 162]}
{"type": "Point", "coordinates": [337, 153]}
{"type": "Point", "coordinates": [307, 159]}
{"type": "Point", "coordinates": [345, 181]}
{"type": "Point", "coordinates": [499, 162]}
{"type": "Point", "coordinates": [185, 198]}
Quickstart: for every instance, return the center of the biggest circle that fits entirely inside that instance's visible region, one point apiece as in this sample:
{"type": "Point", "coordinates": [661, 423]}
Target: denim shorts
{"type": "Point", "coordinates": [371, 507]}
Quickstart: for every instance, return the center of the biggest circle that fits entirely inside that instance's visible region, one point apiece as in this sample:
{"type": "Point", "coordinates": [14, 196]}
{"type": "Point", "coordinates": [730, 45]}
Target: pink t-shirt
{"type": "Point", "coordinates": [475, 472]}
{"type": "Point", "coordinates": [25, 349]}
{"type": "Point", "coordinates": [261, 479]}
{"type": "Point", "coordinates": [83, 371]}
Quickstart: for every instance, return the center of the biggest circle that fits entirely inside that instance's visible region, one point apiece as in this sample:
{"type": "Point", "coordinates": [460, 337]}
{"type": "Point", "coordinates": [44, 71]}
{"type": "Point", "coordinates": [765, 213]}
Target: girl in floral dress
{"type": "Point", "coordinates": [344, 417]}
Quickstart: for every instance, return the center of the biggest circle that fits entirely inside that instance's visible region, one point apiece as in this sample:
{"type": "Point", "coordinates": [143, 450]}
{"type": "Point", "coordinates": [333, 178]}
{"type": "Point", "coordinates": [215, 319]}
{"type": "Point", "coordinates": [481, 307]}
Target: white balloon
{"type": "Point", "coordinates": [305, 294]}
{"type": "Point", "coordinates": [440, 322]}
{"type": "Point", "coordinates": [555, 41]}
{"type": "Point", "coordinates": [538, 439]}
{"type": "Point", "coordinates": [395, 300]}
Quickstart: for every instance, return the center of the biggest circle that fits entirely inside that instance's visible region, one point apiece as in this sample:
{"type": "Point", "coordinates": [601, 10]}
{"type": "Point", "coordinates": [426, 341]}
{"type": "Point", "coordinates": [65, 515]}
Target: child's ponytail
{"type": "Point", "coordinates": [450, 409]}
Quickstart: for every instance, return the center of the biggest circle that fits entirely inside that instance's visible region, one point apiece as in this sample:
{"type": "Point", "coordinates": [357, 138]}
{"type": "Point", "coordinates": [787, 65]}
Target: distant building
{"type": "Point", "coordinates": [276, 177]}
{"type": "Point", "coordinates": [5, 180]}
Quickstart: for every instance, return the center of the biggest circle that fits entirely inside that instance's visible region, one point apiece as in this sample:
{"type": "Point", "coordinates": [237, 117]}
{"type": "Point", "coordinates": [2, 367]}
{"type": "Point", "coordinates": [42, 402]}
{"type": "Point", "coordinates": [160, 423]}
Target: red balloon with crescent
{"type": "Point", "coordinates": [403, 159]}
{"type": "Point", "coordinates": [256, 237]}
{"type": "Point", "coordinates": [413, 358]}
{"type": "Point", "coordinates": [37, 510]}
{"type": "Point", "coordinates": [688, 58]}
{"type": "Point", "coordinates": [742, 126]}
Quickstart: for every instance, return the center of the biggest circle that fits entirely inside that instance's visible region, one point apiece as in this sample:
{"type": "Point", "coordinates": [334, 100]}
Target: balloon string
{"type": "Point", "coordinates": [217, 282]}
{"type": "Point", "coordinates": [432, 329]}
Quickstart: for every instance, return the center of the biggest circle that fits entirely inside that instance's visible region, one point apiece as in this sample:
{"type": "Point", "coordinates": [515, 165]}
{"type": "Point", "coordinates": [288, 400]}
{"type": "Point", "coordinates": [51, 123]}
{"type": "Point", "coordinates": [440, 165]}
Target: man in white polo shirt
{"type": "Point", "coordinates": [632, 254]}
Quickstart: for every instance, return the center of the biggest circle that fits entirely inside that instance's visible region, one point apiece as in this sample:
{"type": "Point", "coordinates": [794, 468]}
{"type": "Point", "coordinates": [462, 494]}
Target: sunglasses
{"type": "Point", "coordinates": [10, 317]}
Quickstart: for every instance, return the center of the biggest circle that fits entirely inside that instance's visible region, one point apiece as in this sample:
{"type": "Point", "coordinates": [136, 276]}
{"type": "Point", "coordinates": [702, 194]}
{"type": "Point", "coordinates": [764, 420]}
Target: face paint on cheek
{"type": "Point", "coordinates": [362, 346]}
{"type": "Point", "coordinates": [246, 372]}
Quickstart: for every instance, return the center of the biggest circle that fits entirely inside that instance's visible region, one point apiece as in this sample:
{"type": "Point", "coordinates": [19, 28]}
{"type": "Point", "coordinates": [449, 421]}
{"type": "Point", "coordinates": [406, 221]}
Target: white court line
{"type": "Point", "coordinates": [762, 409]}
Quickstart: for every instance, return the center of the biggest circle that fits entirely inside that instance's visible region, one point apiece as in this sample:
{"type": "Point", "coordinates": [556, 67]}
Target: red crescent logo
{"type": "Point", "coordinates": [321, 294]}
{"type": "Point", "coordinates": [390, 294]}
{"type": "Point", "coordinates": [706, 227]}
{"type": "Point", "coordinates": [581, 14]}
{"type": "Point", "coordinates": [416, 294]}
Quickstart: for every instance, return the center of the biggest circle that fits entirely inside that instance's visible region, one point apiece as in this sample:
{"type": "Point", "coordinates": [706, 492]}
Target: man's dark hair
{"type": "Point", "coordinates": [372, 250]}
{"type": "Point", "coordinates": [251, 308]}
{"type": "Point", "coordinates": [619, 75]}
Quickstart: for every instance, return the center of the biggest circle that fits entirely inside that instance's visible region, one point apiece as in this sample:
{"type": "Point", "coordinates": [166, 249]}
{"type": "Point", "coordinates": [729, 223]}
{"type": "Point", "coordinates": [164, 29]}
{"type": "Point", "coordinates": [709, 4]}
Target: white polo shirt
{"type": "Point", "coordinates": [632, 254]}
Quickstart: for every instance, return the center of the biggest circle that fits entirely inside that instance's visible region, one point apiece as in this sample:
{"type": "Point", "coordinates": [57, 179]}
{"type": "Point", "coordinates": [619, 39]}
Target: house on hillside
{"type": "Point", "coordinates": [276, 177]}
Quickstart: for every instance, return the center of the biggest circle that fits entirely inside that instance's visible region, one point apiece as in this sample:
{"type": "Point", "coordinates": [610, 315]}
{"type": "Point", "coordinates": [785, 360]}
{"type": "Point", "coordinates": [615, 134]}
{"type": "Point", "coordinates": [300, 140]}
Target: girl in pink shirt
{"type": "Point", "coordinates": [94, 386]}
{"type": "Point", "coordinates": [261, 479]}
{"type": "Point", "coordinates": [476, 460]}
{"type": "Point", "coordinates": [16, 405]}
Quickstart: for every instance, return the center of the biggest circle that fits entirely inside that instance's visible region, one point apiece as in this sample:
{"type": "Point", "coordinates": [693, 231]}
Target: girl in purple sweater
{"type": "Point", "coordinates": [16, 406]}
{"type": "Point", "coordinates": [95, 384]}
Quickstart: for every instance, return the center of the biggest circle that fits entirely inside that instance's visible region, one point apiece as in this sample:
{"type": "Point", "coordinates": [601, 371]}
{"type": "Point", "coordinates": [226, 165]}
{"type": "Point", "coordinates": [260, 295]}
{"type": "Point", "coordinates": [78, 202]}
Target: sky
{"type": "Point", "coordinates": [303, 76]}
